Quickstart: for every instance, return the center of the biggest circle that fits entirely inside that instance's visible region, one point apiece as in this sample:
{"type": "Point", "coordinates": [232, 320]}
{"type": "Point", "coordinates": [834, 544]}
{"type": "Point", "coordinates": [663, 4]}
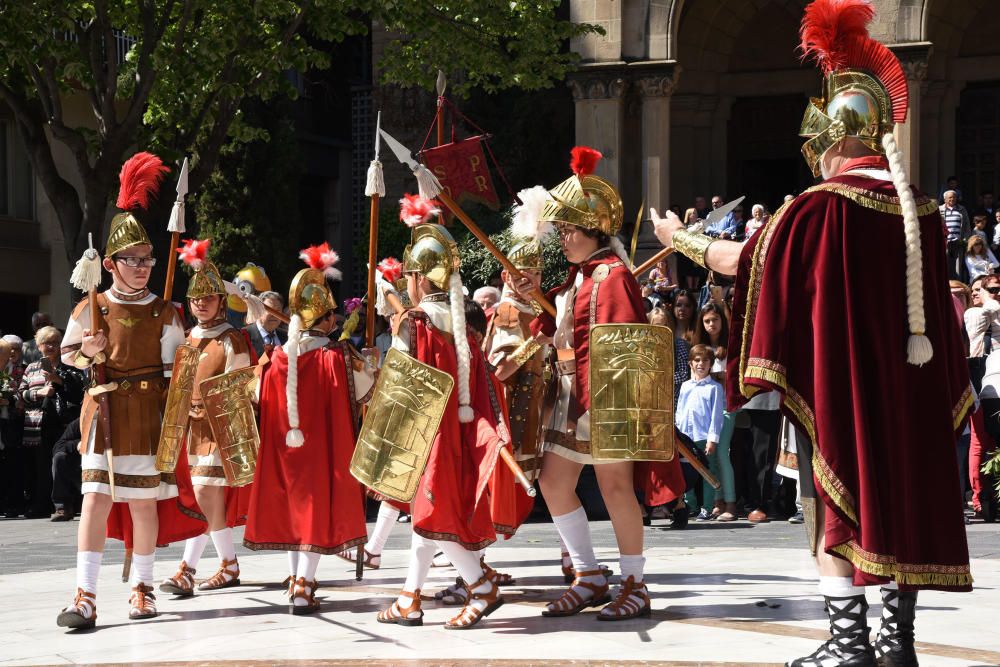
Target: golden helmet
{"type": "Point", "coordinates": [126, 232]}
{"type": "Point", "coordinates": [589, 202]}
{"type": "Point", "coordinates": [205, 282]}
{"type": "Point", "coordinates": [433, 253]}
{"type": "Point", "coordinates": [525, 254]}
{"type": "Point", "coordinates": [309, 297]}
{"type": "Point", "coordinates": [251, 279]}
{"type": "Point", "coordinates": [862, 99]}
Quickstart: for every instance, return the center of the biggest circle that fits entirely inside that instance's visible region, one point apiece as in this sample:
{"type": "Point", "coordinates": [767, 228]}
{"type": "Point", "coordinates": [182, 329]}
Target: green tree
{"type": "Point", "coordinates": [172, 75]}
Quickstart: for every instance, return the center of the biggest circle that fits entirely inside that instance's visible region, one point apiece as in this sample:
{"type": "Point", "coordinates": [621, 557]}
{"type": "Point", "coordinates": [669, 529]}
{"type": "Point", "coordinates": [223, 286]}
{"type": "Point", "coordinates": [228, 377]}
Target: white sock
{"type": "Point", "coordinates": [422, 553]}
{"type": "Point", "coordinates": [223, 541]}
{"type": "Point", "coordinates": [574, 529]}
{"type": "Point", "coordinates": [387, 515]}
{"type": "Point", "coordinates": [293, 563]}
{"type": "Point", "coordinates": [308, 563]}
{"type": "Point", "coordinates": [632, 566]}
{"type": "Point", "coordinates": [839, 587]}
{"type": "Point", "coordinates": [88, 566]}
{"type": "Point", "coordinates": [469, 568]}
{"type": "Point", "coordinates": [142, 568]}
{"type": "Point", "coordinates": [193, 549]}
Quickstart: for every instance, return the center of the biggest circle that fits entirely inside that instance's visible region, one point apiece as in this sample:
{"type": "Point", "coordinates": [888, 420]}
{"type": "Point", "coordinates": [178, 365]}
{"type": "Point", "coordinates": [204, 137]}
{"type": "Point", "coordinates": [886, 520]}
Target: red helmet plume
{"type": "Point", "coordinates": [140, 179]}
{"type": "Point", "coordinates": [322, 258]}
{"type": "Point", "coordinates": [194, 252]}
{"type": "Point", "coordinates": [391, 269]}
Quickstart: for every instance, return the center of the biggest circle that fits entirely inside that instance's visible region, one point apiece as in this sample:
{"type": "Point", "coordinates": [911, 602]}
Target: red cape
{"type": "Point", "coordinates": [448, 503]}
{"type": "Point", "coordinates": [304, 498]}
{"type": "Point", "coordinates": [820, 316]}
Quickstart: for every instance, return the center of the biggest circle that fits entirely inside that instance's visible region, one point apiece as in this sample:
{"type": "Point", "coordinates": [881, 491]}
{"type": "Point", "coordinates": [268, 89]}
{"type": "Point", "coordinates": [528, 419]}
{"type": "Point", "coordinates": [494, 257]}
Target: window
{"type": "Point", "coordinates": [17, 192]}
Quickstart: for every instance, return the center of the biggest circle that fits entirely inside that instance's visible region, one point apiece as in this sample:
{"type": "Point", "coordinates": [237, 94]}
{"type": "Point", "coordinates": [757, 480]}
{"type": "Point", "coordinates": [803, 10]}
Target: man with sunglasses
{"type": "Point", "coordinates": [136, 339]}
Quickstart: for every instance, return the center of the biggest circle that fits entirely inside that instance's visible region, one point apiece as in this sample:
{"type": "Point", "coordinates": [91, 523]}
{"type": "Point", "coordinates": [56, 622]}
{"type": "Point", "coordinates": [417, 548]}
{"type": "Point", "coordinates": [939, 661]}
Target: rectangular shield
{"type": "Point", "coordinates": [399, 428]}
{"type": "Point", "coordinates": [176, 412]}
{"type": "Point", "coordinates": [632, 392]}
{"type": "Point", "coordinates": [229, 408]}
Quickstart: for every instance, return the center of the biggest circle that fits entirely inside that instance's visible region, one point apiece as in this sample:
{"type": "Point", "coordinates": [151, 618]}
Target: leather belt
{"type": "Point", "coordinates": [126, 382]}
{"type": "Point", "coordinates": [566, 367]}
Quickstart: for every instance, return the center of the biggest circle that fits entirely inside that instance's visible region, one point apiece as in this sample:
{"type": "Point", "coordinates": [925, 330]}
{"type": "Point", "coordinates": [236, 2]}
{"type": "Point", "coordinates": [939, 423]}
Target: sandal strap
{"type": "Point", "coordinates": [631, 599]}
{"type": "Point", "coordinates": [300, 590]}
{"type": "Point", "coordinates": [84, 603]}
{"type": "Point", "coordinates": [224, 574]}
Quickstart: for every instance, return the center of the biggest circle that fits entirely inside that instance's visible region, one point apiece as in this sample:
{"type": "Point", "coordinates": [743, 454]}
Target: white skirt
{"type": "Point", "coordinates": [136, 477]}
{"type": "Point", "coordinates": [207, 470]}
{"type": "Point", "coordinates": [559, 422]}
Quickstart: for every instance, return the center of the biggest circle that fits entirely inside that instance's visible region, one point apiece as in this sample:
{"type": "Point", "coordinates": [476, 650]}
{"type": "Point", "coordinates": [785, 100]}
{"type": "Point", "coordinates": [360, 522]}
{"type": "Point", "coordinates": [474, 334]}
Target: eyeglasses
{"type": "Point", "coordinates": [995, 289]}
{"type": "Point", "coordinates": [136, 262]}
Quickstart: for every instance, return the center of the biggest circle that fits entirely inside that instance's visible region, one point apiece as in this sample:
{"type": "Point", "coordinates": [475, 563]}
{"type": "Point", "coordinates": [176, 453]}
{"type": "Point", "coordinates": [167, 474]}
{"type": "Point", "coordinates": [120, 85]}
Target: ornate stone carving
{"type": "Point", "coordinates": [597, 85]}
{"type": "Point", "coordinates": [657, 85]}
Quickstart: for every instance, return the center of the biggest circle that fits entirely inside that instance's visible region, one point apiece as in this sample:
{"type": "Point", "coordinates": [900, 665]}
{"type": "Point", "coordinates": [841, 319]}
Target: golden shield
{"type": "Point", "coordinates": [632, 392]}
{"type": "Point", "coordinates": [398, 431]}
{"type": "Point", "coordinates": [175, 414]}
{"type": "Point", "coordinates": [229, 408]}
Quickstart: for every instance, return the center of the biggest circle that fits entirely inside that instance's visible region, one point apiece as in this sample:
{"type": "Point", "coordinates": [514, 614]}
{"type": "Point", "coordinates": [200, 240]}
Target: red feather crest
{"type": "Point", "coordinates": [835, 34]}
{"type": "Point", "coordinates": [140, 179]}
{"type": "Point", "coordinates": [391, 268]}
{"type": "Point", "coordinates": [583, 160]}
{"type": "Point", "coordinates": [321, 258]}
{"type": "Point", "coordinates": [415, 210]}
{"type": "Point", "coordinates": [194, 252]}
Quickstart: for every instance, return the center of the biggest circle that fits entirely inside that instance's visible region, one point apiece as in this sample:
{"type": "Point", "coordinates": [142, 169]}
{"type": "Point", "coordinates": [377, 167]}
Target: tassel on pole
{"type": "Point", "coordinates": [87, 272]}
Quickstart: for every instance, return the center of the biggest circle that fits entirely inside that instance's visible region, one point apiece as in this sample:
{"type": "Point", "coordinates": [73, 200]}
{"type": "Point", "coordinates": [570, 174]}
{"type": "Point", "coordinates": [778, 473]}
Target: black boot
{"type": "Point", "coordinates": [894, 643]}
{"type": "Point", "coordinates": [848, 645]}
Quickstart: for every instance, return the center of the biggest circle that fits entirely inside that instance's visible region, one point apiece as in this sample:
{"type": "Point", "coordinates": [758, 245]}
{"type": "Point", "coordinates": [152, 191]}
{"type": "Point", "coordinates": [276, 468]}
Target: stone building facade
{"type": "Point", "coordinates": [703, 97]}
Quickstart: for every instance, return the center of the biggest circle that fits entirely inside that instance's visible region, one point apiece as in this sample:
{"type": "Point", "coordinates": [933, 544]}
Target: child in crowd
{"type": "Point", "coordinates": [699, 416]}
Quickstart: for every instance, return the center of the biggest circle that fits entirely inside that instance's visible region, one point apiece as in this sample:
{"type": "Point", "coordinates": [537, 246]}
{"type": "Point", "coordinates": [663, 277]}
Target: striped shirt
{"type": "Point", "coordinates": [953, 222]}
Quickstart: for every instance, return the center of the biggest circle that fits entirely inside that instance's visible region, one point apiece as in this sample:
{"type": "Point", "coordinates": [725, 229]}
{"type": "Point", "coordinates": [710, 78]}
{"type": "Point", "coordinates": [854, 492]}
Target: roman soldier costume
{"type": "Point", "coordinates": [143, 332]}
{"type": "Point", "coordinates": [448, 488]}
{"type": "Point", "coordinates": [871, 443]}
{"type": "Point", "coordinates": [598, 291]}
{"type": "Point", "coordinates": [304, 500]}
{"type": "Point", "coordinates": [217, 348]}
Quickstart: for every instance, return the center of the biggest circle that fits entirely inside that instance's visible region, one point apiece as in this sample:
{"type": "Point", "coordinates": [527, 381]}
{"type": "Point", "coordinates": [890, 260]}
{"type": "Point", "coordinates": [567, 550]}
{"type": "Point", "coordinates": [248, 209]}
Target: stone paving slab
{"type": "Point", "coordinates": [712, 606]}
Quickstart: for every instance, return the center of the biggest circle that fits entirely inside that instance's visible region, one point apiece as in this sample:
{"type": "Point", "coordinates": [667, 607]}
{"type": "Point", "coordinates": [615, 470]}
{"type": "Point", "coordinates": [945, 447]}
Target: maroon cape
{"type": "Point", "coordinates": [616, 299]}
{"type": "Point", "coordinates": [304, 498]}
{"type": "Point", "coordinates": [449, 504]}
{"type": "Point", "coordinates": [820, 316]}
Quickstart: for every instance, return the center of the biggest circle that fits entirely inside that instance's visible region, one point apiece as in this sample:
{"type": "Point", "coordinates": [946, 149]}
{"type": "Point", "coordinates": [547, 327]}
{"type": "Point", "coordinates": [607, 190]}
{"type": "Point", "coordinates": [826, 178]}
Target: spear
{"type": "Point", "coordinates": [86, 277]}
{"type": "Point", "coordinates": [441, 85]}
{"type": "Point", "coordinates": [430, 188]}
{"type": "Point", "coordinates": [176, 227]}
{"type": "Point", "coordinates": [374, 188]}
{"type": "Point", "coordinates": [714, 216]}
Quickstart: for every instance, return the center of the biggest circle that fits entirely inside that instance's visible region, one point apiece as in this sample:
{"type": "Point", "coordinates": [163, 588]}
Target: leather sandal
{"type": "Point", "coordinates": [470, 614]}
{"type": "Point", "coordinates": [142, 603]}
{"type": "Point", "coordinates": [82, 614]}
{"type": "Point", "coordinates": [571, 602]}
{"type": "Point", "coordinates": [304, 590]}
{"type": "Point", "coordinates": [226, 576]}
{"type": "Point", "coordinates": [182, 583]}
{"type": "Point", "coordinates": [569, 574]}
{"type": "Point", "coordinates": [289, 585]}
{"type": "Point", "coordinates": [499, 578]}
{"type": "Point", "coordinates": [397, 615]}
{"type": "Point", "coordinates": [456, 595]}
{"type": "Point", "coordinates": [632, 601]}
{"type": "Point", "coordinates": [371, 561]}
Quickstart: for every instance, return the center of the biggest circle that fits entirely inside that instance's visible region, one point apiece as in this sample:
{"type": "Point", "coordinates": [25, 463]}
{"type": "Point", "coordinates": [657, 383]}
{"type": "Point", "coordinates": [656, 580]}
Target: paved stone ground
{"type": "Point", "coordinates": [34, 545]}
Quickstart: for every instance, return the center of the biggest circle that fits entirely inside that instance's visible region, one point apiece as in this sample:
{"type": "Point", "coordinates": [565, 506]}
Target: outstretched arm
{"type": "Point", "coordinates": [717, 255]}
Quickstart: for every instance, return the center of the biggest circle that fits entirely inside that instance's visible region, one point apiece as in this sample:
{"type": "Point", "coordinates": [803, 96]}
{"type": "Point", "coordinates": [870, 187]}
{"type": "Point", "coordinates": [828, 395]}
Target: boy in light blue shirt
{"type": "Point", "coordinates": [700, 408]}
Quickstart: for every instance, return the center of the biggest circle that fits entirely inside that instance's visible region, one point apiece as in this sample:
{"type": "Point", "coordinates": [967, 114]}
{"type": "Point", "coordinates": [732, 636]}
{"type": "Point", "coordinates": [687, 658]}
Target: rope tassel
{"type": "Point", "coordinates": [87, 272]}
{"type": "Point", "coordinates": [375, 185]}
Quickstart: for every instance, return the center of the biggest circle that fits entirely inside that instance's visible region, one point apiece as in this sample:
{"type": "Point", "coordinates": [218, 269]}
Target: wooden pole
{"type": "Point", "coordinates": [103, 405]}
{"type": "Point", "coordinates": [372, 261]}
{"type": "Point", "coordinates": [536, 294]}
{"type": "Point", "coordinates": [651, 262]}
{"type": "Point", "coordinates": [522, 479]}
{"type": "Point", "coordinates": [698, 465]}
{"type": "Point", "coordinates": [168, 287]}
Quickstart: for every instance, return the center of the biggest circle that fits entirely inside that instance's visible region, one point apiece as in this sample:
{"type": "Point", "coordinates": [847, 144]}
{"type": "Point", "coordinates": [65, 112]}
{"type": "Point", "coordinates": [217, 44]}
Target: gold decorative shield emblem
{"type": "Point", "coordinates": [175, 414]}
{"type": "Point", "coordinates": [632, 392]}
{"type": "Point", "coordinates": [229, 408]}
{"type": "Point", "coordinates": [398, 431]}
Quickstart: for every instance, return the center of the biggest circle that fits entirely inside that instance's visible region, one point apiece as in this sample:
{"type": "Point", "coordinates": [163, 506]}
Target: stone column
{"type": "Point", "coordinates": [656, 83]}
{"type": "Point", "coordinates": [913, 58]}
{"type": "Point", "coordinates": [598, 94]}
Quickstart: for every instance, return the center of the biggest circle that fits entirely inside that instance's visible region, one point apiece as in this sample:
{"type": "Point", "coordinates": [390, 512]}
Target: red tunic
{"type": "Point", "coordinates": [304, 498]}
{"type": "Point", "coordinates": [618, 300]}
{"type": "Point", "coordinates": [820, 316]}
{"type": "Point", "coordinates": [450, 503]}
{"type": "Point", "coordinates": [510, 506]}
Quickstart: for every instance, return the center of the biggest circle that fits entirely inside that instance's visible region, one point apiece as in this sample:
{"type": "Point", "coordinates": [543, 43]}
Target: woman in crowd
{"type": "Point", "coordinates": [979, 259]}
{"type": "Point", "coordinates": [684, 304]}
{"type": "Point", "coordinates": [757, 219]}
{"type": "Point", "coordinates": [52, 393]}
{"type": "Point", "coordinates": [712, 329]}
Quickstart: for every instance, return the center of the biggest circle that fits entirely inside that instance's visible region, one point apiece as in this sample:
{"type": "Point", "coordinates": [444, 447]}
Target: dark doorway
{"type": "Point", "coordinates": [977, 146]}
{"type": "Point", "coordinates": [765, 162]}
{"type": "Point", "coordinates": [15, 314]}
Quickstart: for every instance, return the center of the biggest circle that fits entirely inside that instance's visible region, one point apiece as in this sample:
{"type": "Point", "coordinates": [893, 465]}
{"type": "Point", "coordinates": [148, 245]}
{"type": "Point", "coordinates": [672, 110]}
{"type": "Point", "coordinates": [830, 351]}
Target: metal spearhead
{"type": "Point", "coordinates": [401, 152]}
{"type": "Point", "coordinates": [719, 213]}
{"type": "Point", "coordinates": [441, 84]}
{"type": "Point", "coordinates": [182, 181]}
